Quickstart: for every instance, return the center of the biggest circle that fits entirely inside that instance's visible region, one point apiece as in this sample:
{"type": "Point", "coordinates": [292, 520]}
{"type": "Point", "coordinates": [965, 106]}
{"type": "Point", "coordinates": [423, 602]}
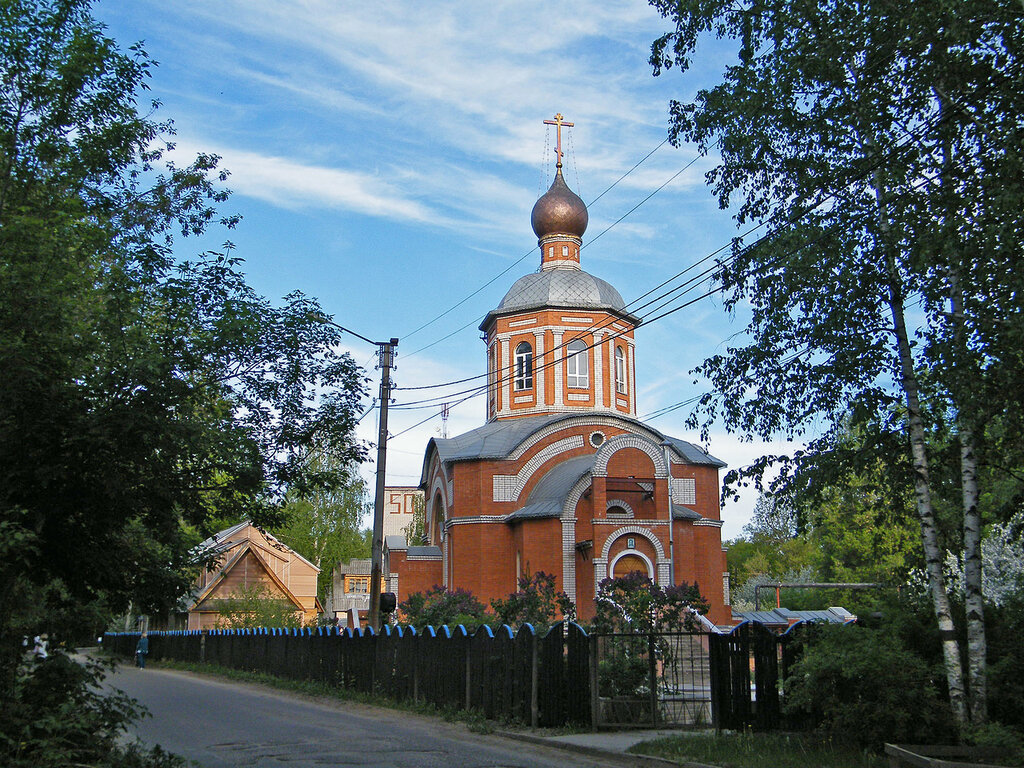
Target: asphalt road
{"type": "Point", "coordinates": [219, 723]}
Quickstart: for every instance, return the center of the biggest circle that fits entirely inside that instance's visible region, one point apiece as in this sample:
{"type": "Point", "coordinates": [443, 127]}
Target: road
{"type": "Point", "coordinates": [220, 724]}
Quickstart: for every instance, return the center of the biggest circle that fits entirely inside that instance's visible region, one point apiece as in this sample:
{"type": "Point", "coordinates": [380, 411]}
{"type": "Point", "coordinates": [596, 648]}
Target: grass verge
{"type": "Point", "coordinates": [759, 750]}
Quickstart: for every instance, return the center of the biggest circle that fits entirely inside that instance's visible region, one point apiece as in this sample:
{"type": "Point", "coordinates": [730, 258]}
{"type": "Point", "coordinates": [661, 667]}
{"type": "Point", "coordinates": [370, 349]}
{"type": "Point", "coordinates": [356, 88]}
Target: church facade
{"type": "Point", "coordinates": [563, 477]}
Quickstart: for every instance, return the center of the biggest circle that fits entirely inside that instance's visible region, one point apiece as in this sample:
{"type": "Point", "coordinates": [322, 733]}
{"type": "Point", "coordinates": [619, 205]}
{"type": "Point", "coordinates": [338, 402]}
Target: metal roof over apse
{"type": "Point", "coordinates": [569, 288]}
{"type": "Point", "coordinates": [549, 495]}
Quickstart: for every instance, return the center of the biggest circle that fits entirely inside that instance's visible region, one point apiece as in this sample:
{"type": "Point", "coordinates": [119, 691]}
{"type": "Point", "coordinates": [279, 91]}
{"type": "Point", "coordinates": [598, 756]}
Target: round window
{"type": "Point", "coordinates": [597, 439]}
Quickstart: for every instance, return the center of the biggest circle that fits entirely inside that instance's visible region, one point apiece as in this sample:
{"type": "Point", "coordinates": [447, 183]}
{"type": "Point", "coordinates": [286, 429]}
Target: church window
{"type": "Point", "coordinates": [524, 366]}
{"type": "Point", "coordinates": [565, 250]}
{"type": "Point", "coordinates": [577, 373]}
{"type": "Point", "coordinates": [620, 370]}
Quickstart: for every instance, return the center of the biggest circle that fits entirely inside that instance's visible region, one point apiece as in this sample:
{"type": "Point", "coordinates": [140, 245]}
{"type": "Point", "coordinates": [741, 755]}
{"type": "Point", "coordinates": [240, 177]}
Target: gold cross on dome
{"type": "Point", "coordinates": [559, 121]}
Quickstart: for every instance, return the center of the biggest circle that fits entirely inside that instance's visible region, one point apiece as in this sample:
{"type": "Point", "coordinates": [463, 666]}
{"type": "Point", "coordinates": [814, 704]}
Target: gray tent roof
{"type": "Point", "coordinates": [569, 288]}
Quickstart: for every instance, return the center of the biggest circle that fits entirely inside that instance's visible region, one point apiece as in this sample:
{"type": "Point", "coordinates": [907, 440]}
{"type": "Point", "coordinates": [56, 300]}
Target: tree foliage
{"type": "Point", "coordinates": [68, 720]}
{"type": "Point", "coordinates": [878, 145]}
{"type": "Point", "coordinates": [144, 395]}
{"type": "Point", "coordinates": [860, 684]}
{"type": "Point", "coordinates": [324, 525]}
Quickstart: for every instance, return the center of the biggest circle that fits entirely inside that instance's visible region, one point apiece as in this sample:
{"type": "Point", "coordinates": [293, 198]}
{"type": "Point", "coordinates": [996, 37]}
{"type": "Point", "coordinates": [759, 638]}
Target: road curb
{"type": "Point", "coordinates": [626, 758]}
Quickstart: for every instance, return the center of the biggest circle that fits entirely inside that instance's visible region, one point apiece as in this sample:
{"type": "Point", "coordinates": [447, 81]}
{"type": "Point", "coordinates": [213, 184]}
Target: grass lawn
{"type": "Point", "coordinates": [759, 750]}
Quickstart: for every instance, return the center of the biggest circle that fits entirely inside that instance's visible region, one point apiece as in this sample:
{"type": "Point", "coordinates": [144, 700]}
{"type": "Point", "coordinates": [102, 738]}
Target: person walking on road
{"type": "Point", "coordinates": [142, 650]}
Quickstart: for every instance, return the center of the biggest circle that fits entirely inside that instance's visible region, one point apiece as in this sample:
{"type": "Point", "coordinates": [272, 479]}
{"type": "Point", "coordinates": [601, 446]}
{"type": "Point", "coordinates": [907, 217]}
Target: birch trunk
{"type": "Point", "coordinates": [919, 457]}
{"type": "Point", "coordinates": [974, 603]}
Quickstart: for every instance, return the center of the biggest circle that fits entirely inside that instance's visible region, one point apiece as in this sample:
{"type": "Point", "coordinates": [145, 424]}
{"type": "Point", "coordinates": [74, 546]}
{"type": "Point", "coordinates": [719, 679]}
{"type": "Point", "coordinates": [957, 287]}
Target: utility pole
{"type": "Point", "coordinates": [387, 354]}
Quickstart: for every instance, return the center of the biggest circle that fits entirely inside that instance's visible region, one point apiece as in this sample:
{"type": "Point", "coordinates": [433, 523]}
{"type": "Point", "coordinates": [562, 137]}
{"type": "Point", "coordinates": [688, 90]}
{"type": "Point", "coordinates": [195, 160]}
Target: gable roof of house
{"type": "Point", "coordinates": [224, 540]}
{"type": "Point", "coordinates": [236, 558]}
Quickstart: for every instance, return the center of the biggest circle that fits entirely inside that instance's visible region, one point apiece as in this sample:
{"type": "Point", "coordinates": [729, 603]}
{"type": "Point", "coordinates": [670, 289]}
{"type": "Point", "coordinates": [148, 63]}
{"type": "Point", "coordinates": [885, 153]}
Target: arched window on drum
{"type": "Point", "coordinates": [620, 370]}
{"type": "Point", "coordinates": [577, 367]}
{"type": "Point", "coordinates": [524, 366]}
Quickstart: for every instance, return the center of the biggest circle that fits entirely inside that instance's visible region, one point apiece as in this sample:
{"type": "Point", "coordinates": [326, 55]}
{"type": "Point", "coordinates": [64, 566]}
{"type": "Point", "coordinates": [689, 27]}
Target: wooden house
{"type": "Point", "coordinates": [244, 557]}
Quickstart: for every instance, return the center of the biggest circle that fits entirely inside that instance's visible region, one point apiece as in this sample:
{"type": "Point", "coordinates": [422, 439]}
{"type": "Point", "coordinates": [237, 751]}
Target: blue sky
{"type": "Point", "coordinates": [385, 158]}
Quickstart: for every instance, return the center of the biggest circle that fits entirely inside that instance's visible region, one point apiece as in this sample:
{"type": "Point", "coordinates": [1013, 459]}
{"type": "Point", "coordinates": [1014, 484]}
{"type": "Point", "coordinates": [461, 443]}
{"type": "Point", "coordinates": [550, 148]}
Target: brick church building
{"type": "Point", "coordinates": [563, 478]}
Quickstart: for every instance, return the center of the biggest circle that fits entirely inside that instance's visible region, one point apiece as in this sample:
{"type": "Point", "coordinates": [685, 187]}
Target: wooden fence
{"type": "Point", "coordinates": [731, 681]}
{"type": "Point", "coordinates": [523, 676]}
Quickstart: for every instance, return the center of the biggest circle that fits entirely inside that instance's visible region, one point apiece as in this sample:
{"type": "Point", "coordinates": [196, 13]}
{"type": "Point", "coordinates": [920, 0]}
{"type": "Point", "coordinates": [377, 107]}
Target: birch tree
{"type": "Point", "coordinates": [879, 145]}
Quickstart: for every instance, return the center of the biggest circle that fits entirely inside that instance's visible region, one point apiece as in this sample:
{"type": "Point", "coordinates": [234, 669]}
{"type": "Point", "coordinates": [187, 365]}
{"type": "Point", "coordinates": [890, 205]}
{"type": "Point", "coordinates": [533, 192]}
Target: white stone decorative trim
{"type": "Point", "coordinates": [664, 572]}
{"type": "Point", "coordinates": [505, 365]}
{"type": "Point", "coordinates": [521, 323]}
{"type": "Point", "coordinates": [617, 443]}
{"type": "Point", "coordinates": [600, 572]}
{"type": "Point", "coordinates": [620, 400]}
{"type": "Point", "coordinates": [637, 530]}
{"type": "Point", "coordinates": [559, 365]}
{"type": "Point", "coordinates": [709, 523]}
{"type": "Point", "coordinates": [684, 490]}
{"type": "Point", "coordinates": [539, 373]}
{"type": "Point", "coordinates": [569, 563]}
{"type": "Point", "coordinates": [577, 320]}
{"type": "Point", "coordinates": [593, 418]}
{"type": "Point", "coordinates": [619, 503]}
{"type": "Point", "coordinates": [579, 398]}
{"type": "Point", "coordinates": [569, 533]}
{"type": "Point", "coordinates": [508, 487]}
{"type": "Point", "coordinates": [523, 399]}
{"type": "Point", "coordinates": [503, 488]}
{"type": "Point", "coordinates": [631, 374]}
{"type": "Point", "coordinates": [618, 327]}
{"type": "Point", "coordinates": [476, 519]}
{"type": "Point", "coordinates": [618, 521]}
{"type": "Point", "coordinates": [434, 558]}
{"type": "Point", "coordinates": [725, 588]}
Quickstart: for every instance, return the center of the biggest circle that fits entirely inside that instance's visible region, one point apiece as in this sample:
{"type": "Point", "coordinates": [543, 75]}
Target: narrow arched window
{"type": "Point", "coordinates": [524, 366]}
{"type": "Point", "coordinates": [577, 370]}
{"type": "Point", "coordinates": [620, 370]}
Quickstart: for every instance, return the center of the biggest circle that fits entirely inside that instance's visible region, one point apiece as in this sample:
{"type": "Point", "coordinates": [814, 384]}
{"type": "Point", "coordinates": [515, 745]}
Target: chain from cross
{"type": "Point", "coordinates": [558, 122]}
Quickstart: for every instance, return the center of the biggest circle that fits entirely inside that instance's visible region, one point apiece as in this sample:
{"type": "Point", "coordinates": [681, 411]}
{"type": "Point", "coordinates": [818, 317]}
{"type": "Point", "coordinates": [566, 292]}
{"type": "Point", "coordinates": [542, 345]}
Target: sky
{"type": "Point", "coordinates": [385, 158]}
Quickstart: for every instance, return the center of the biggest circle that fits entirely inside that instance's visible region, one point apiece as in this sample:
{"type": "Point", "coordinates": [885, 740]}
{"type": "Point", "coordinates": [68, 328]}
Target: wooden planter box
{"type": "Point", "coordinates": [923, 756]}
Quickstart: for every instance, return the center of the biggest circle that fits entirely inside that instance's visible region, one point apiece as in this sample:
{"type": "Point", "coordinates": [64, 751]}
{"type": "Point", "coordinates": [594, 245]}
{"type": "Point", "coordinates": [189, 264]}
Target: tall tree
{"type": "Point", "coordinates": [880, 144]}
{"type": "Point", "coordinates": [141, 394]}
{"type": "Point", "coordinates": [325, 525]}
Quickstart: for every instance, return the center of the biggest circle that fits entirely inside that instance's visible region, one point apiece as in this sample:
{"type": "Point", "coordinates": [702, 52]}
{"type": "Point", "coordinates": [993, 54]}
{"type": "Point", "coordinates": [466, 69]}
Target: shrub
{"type": "Point", "coordinates": [537, 602]}
{"type": "Point", "coordinates": [438, 607]}
{"type": "Point", "coordinates": [861, 685]}
{"type": "Point", "coordinates": [59, 716]}
{"type": "Point", "coordinates": [634, 603]}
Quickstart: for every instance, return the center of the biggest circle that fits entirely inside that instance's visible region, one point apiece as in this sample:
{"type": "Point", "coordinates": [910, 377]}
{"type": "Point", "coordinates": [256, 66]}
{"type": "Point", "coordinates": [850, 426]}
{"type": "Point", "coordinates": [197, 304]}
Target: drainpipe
{"type": "Point", "coordinates": [667, 447]}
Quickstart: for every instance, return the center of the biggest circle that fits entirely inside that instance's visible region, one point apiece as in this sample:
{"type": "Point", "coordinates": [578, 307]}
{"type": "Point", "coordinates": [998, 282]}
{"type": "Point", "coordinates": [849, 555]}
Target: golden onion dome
{"type": "Point", "coordinates": [559, 211]}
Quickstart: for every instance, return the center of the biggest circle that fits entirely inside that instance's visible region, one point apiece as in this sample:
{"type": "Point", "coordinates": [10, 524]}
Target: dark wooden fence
{"type": "Point", "coordinates": [749, 672]}
{"type": "Point", "coordinates": [540, 680]}
{"type": "Point", "coordinates": [732, 681]}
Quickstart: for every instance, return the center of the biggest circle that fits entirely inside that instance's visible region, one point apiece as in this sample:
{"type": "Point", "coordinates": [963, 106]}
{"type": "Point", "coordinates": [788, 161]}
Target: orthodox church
{"type": "Point", "coordinates": [563, 477]}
